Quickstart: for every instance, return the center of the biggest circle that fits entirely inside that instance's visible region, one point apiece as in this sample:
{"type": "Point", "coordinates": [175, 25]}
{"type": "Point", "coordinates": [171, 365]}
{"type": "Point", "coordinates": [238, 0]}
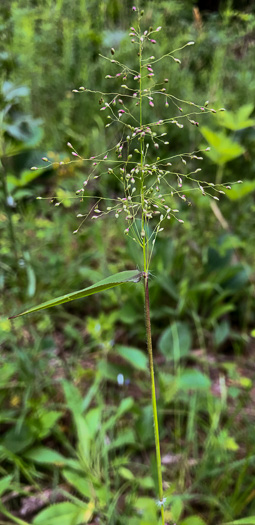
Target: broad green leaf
{"type": "Point", "coordinates": [26, 177]}
{"type": "Point", "coordinates": [175, 341]}
{"type": "Point", "coordinates": [78, 481]}
{"type": "Point", "coordinates": [221, 332]}
{"type": "Point", "coordinates": [127, 437]}
{"type": "Point", "coordinates": [245, 111]}
{"type": "Point", "coordinates": [86, 428]}
{"type": "Point", "coordinates": [147, 510]}
{"type": "Point", "coordinates": [5, 326]}
{"type": "Point", "coordinates": [146, 482]}
{"type": "Point", "coordinates": [126, 473]}
{"type": "Point", "coordinates": [136, 357]}
{"type": "Point", "coordinates": [193, 520]}
{"type": "Point", "coordinates": [169, 386]}
{"type": "Point", "coordinates": [16, 440]}
{"type": "Point", "coordinates": [62, 514]}
{"type": "Point", "coordinates": [26, 130]}
{"type": "Point", "coordinates": [86, 425]}
{"type": "Point", "coordinates": [226, 442]}
{"type": "Point", "coordinates": [73, 398]}
{"type": "Point", "coordinates": [111, 371]}
{"type": "Point", "coordinates": [65, 197]}
{"type": "Point", "coordinates": [125, 406]}
{"type": "Point", "coordinates": [11, 92]}
{"type": "Point", "coordinates": [176, 509]}
{"type": "Point", "coordinates": [44, 423]}
{"type": "Point", "coordinates": [239, 191]}
{"type": "Point", "coordinates": [89, 273]}
{"type": "Point", "coordinates": [5, 484]}
{"type": "Point", "coordinates": [110, 282]}
{"type": "Point", "coordinates": [223, 149]}
{"type": "Point", "coordinates": [7, 371]}
{"type": "Point", "coordinates": [193, 380]}
{"type": "Point", "coordinates": [237, 120]}
{"type": "Point", "coordinates": [245, 382]}
{"type": "Point", "coordinates": [45, 455]}
{"type": "Point", "coordinates": [93, 421]}
{"type": "Point", "coordinates": [243, 521]}
{"type": "Point", "coordinates": [83, 435]}
{"type": "Point", "coordinates": [231, 444]}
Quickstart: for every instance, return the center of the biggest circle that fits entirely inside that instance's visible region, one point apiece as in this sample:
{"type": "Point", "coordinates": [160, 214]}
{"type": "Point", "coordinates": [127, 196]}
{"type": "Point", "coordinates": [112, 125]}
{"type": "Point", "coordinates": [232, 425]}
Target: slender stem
{"type": "Point", "coordinates": [153, 394]}
{"type": "Point", "coordinates": [147, 302]}
{"type": "Point", "coordinates": [141, 152]}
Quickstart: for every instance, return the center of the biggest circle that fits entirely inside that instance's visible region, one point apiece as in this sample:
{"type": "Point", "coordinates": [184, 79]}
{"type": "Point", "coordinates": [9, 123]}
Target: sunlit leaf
{"type": "Point", "coordinates": [237, 120]}
{"type": "Point", "coordinates": [193, 520]}
{"type": "Point", "coordinates": [223, 149]}
{"type": "Point", "coordinates": [45, 455]}
{"type": "Point", "coordinates": [78, 481]}
{"type": "Point", "coordinates": [192, 379]}
{"type": "Point", "coordinates": [61, 514]}
{"type": "Point", "coordinates": [239, 191]}
{"type": "Point", "coordinates": [136, 357]}
{"type": "Point", "coordinates": [126, 473]}
{"type": "Point", "coordinates": [243, 521]}
{"type": "Point", "coordinates": [176, 509]}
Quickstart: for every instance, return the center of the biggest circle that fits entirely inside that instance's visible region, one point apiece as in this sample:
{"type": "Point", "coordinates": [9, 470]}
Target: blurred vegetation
{"type": "Point", "coordinates": [76, 440]}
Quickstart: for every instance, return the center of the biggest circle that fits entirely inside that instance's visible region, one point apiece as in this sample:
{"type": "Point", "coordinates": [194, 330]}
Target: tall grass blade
{"type": "Point", "coordinates": [110, 282]}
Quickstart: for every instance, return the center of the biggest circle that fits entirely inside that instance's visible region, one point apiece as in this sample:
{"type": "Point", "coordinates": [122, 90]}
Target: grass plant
{"type": "Point", "coordinates": [154, 186]}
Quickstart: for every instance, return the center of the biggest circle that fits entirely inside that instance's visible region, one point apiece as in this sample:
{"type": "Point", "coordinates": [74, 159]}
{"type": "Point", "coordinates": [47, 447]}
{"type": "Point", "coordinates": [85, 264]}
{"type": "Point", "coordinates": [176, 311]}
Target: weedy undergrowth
{"type": "Point", "coordinates": [153, 183]}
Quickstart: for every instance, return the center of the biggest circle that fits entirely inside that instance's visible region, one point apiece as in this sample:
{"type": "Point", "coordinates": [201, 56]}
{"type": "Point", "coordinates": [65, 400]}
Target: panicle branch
{"type": "Point", "coordinates": [151, 187]}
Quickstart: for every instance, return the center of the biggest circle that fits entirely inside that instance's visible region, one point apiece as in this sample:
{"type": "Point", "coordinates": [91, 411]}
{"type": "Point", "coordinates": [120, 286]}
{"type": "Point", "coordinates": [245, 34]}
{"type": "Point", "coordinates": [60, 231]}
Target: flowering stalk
{"type": "Point", "coordinates": [150, 188]}
{"type": "Point", "coordinates": [147, 305]}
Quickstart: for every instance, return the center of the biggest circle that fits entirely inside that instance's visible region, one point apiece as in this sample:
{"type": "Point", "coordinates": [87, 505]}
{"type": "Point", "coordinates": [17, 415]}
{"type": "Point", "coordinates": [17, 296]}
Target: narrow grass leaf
{"type": "Point", "coordinates": [110, 282]}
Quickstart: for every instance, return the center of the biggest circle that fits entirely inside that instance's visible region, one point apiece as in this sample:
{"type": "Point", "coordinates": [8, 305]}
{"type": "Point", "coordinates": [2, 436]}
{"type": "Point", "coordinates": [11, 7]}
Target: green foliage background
{"type": "Point", "coordinates": [76, 440]}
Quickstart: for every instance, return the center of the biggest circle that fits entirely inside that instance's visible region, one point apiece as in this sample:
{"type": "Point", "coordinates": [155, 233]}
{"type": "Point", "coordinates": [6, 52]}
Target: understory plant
{"type": "Point", "coordinates": [156, 182]}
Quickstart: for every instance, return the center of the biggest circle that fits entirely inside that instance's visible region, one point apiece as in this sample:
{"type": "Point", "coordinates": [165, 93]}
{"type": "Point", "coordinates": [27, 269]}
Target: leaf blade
{"type": "Point", "coordinates": [134, 356]}
{"type": "Point", "coordinates": [65, 513]}
{"type": "Point", "coordinates": [110, 282]}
